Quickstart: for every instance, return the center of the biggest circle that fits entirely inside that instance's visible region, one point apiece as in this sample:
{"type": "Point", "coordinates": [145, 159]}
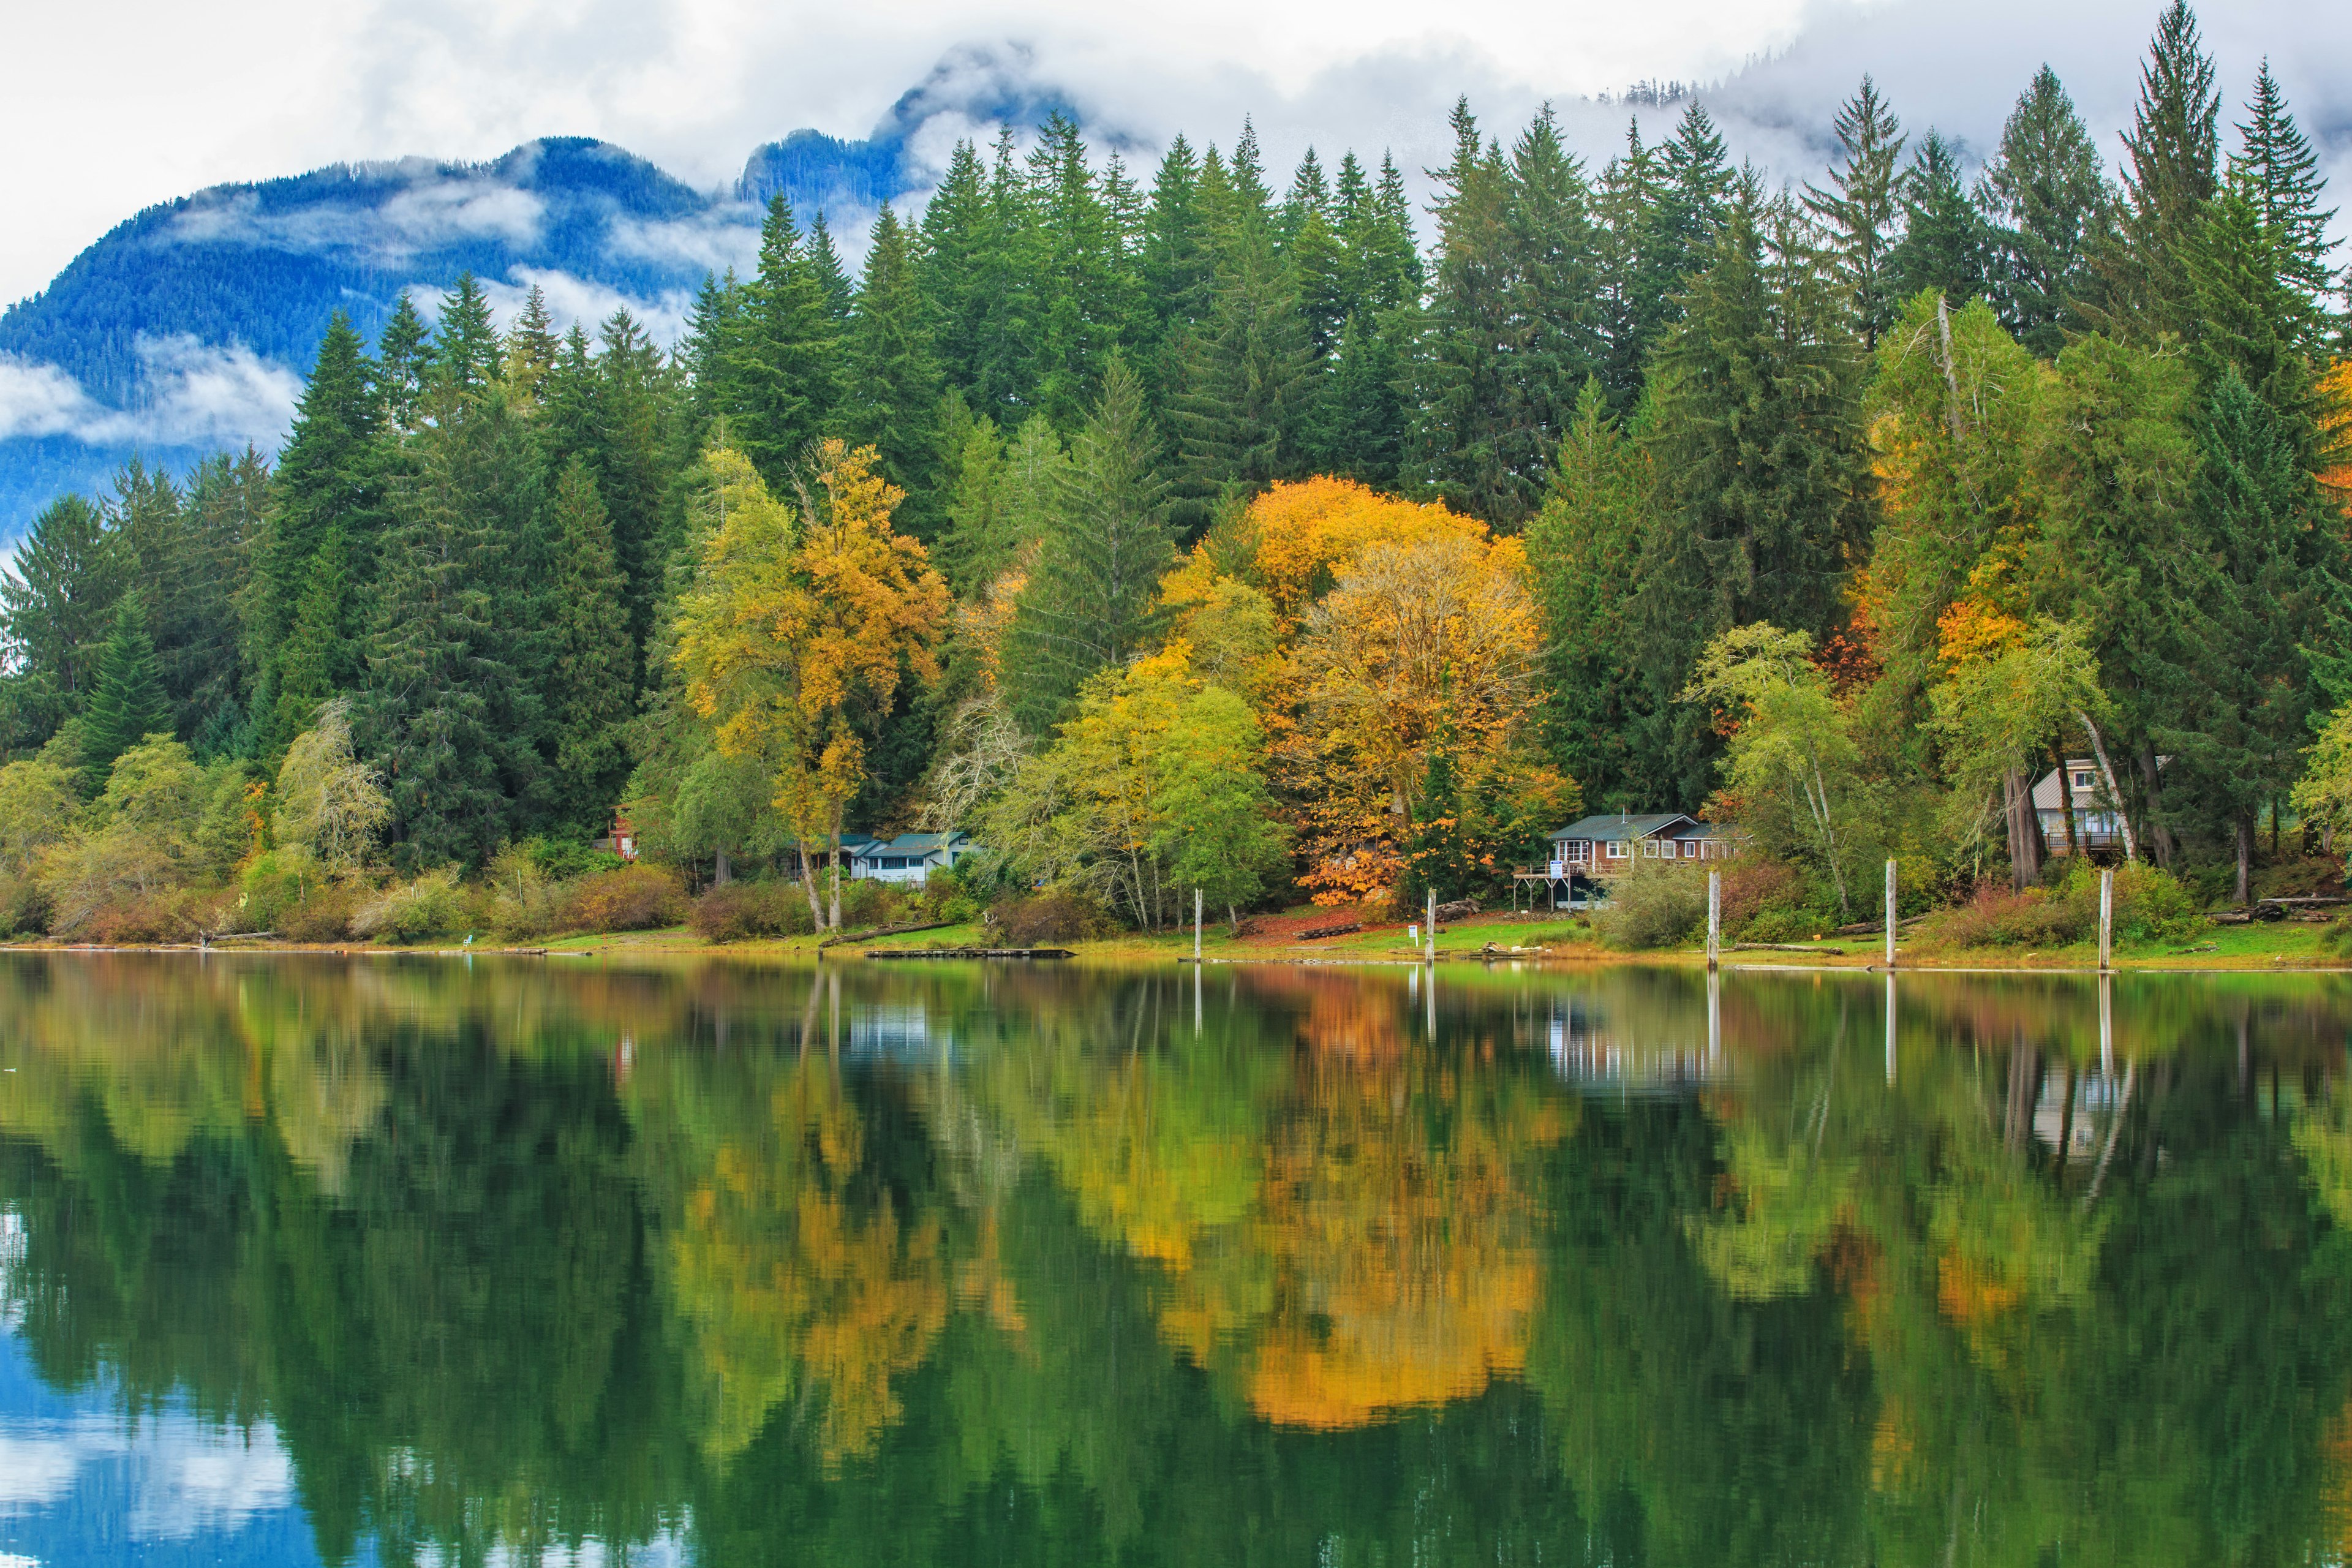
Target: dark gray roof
{"type": "Point", "coordinates": [1610, 826]}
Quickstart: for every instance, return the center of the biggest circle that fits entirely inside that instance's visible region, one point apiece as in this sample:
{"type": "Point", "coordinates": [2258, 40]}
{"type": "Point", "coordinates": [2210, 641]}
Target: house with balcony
{"type": "Point", "coordinates": [2081, 788]}
{"type": "Point", "coordinates": [1591, 850]}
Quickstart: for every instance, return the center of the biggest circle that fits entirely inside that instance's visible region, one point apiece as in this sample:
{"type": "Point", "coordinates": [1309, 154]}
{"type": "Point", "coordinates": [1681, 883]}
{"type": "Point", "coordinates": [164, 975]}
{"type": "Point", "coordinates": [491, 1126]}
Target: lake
{"type": "Point", "coordinates": [405, 1260]}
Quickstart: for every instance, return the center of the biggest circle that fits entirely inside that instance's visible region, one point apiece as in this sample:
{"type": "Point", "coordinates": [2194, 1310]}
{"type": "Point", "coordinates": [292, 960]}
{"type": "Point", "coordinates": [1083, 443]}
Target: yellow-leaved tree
{"type": "Point", "coordinates": [798, 624]}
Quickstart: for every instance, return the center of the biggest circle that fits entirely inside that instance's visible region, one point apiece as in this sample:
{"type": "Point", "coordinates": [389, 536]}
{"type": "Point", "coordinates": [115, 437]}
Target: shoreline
{"type": "Point", "coordinates": [2268, 949]}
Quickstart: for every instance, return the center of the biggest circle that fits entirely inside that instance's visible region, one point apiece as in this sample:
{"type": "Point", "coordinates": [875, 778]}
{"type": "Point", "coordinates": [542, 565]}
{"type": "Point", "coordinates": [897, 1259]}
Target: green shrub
{"type": "Point", "coordinates": [634, 898]}
{"type": "Point", "coordinates": [273, 885]}
{"type": "Point", "coordinates": [561, 859]}
{"type": "Point", "coordinates": [1653, 905]}
{"type": "Point", "coordinates": [1779, 923]}
{"type": "Point", "coordinates": [524, 898]}
{"type": "Point", "coordinates": [432, 905]}
{"type": "Point", "coordinates": [23, 911]}
{"type": "Point", "coordinates": [2149, 905]}
{"type": "Point", "coordinates": [745, 911]}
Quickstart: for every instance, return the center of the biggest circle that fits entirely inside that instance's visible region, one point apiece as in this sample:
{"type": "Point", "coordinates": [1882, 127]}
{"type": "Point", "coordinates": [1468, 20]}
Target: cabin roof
{"type": "Point", "coordinates": [1612, 827]}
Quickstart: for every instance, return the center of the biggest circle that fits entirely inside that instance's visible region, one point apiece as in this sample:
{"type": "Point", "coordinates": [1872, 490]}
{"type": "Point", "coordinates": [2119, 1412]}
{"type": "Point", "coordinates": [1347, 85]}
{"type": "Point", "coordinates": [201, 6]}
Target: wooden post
{"type": "Point", "coordinates": [1432, 929]}
{"type": "Point", "coordinates": [2107, 918]}
{"type": "Point", "coordinates": [1196, 925]}
{"type": "Point", "coordinates": [1890, 1028]}
{"type": "Point", "coordinates": [1890, 914]}
{"type": "Point", "coordinates": [1714, 919]}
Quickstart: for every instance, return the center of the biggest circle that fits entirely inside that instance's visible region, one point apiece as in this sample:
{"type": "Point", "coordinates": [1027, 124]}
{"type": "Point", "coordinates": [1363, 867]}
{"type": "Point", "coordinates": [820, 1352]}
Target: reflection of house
{"type": "Point", "coordinates": [2097, 823]}
{"type": "Point", "coordinates": [910, 857]}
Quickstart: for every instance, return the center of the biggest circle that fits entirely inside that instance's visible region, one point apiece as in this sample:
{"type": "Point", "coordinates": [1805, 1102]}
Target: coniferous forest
{"type": "Point", "coordinates": [1206, 527]}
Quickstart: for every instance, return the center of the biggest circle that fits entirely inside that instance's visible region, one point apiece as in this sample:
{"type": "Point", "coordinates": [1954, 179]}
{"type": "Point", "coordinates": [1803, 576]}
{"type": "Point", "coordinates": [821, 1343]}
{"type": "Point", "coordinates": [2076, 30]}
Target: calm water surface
{"type": "Point", "coordinates": [411, 1261]}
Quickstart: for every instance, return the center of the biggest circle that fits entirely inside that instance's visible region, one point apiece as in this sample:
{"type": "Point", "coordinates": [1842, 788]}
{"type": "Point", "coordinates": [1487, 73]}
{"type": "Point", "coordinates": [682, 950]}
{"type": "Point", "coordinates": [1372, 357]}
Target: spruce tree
{"type": "Point", "coordinates": [530, 346]}
{"type": "Point", "coordinates": [784, 362]}
{"type": "Point", "coordinates": [2048, 203]}
{"type": "Point", "coordinates": [1092, 602]}
{"type": "Point", "coordinates": [403, 357]}
{"type": "Point", "coordinates": [1072, 297]}
{"type": "Point", "coordinates": [1945, 241]}
{"type": "Point", "coordinates": [56, 607]}
{"type": "Point", "coordinates": [591, 663]}
{"type": "Point", "coordinates": [2275, 164]}
{"type": "Point", "coordinates": [831, 278]}
{"type": "Point", "coordinates": [2171, 171]}
{"type": "Point", "coordinates": [1763, 473]}
{"type": "Point", "coordinates": [128, 703]}
{"type": "Point", "coordinates": [1176, 266]}
{"type": "Point", "coordinates": [893, 394]}
{"type": "Point", "coordinates": [1858, 208]}
{"type": "Point", "coordinates": [466, 355]}
{"type": "Point", "coordinates": [1246, 394]}
{"type": "Point", "coordinates": [328, 494]}
{"type": "Point", "coordinates": [959, 233]}
{"type": "Point", "coordinates": [227, 499]}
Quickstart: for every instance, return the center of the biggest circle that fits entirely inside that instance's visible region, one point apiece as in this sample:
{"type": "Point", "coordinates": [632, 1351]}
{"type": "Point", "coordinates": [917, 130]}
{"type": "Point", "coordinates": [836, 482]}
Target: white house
{"type": "Point", "coordinates": [910, 857]}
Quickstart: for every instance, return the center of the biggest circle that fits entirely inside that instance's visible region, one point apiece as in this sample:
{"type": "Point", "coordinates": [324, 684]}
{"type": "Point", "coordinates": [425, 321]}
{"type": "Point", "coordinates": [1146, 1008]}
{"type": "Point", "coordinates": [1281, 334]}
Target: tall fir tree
{"type": "Point", "coordinates": [893, 390]}
{"type": "Point", "coordinates": [2171, 170]}
{"type": "Point", "coordinates": [467, 354]}
{"type": "Point", "coordinates": [1859, 209]}
{"type": "Point", "coordinates": [404, 358]}
{"type": "Point", "coordinates": [783, 360]}
{"type": "Point", "coordinates": [327, 513]}
{"type": "Point", "coordinates": [1092, 602]}
{"type": "Point", "coordinates": [591, 662]}
{"type": "Point", "coordinates": [1944, 240]}
{"type": "Point", "coordinates": [2048, 203]}
{"type": "Point", "coordinates": [2277, 166]}
{"type": "Point", "coordinates": [56, 607]}
{"type": "Point", "coordinates": [127, 704]}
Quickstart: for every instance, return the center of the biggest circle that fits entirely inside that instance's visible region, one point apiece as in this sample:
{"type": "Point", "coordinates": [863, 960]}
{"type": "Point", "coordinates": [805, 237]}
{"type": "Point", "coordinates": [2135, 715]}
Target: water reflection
{"type": "Point", "coordinates": [524, 1262]}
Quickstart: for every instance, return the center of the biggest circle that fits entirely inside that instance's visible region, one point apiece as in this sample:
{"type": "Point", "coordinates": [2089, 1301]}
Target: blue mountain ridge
{"type": "Point", "coordinates": [182, 287]}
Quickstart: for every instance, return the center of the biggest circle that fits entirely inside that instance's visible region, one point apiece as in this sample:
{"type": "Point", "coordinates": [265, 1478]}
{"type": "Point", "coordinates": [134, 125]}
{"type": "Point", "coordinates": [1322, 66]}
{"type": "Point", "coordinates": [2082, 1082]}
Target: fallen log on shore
{"type": "Point", "coordinates": [968, 952]}
{"type": "Point", "coordinates": [870, 932]}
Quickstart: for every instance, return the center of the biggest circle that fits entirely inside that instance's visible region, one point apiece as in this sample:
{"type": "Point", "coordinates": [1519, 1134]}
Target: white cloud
{"type": "Point", "coordinates": [429, 210]}
{"type": "Point", "coordinates": [712, 241]}
{"type": "Point", "coordinates": [187, 1476]}
{"type": "Point", "coordinates": [189, 394]}
{"type": "Point", "coordinates": [576, 299]}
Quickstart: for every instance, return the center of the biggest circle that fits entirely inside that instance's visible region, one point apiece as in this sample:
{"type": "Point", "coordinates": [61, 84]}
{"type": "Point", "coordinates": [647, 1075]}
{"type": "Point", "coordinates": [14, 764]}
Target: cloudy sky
{"type": "Point", "coordinates": [108, 105]}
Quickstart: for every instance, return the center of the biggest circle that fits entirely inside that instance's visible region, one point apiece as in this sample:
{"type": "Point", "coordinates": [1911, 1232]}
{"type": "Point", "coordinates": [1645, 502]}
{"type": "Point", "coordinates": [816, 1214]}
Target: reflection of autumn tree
{"type": "Point", "coordinates": [804, 1286]}
{"type": "Point", "coordinates": [1346, 1227]}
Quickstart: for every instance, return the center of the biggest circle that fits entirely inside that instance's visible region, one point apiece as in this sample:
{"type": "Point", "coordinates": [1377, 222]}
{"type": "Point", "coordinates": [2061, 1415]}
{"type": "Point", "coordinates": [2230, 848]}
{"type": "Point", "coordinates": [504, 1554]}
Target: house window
{"type": "Point", "coordinates": [2082, 780]}
{"type": "Point", "coordinates": [1690, 849]}
{"type": "Point", "coordinates": [1617, 852]}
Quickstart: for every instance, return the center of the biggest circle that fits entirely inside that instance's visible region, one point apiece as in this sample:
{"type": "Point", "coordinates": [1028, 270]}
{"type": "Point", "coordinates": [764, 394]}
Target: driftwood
{"type": "Point", "coordinates": [1871, 928]}
{"type": "Point", "coordinates": [1316, 933]}
{"type": "Point", "coordinates": [870, 932]}
{"type": "Point", "coordinates": [968, 952]}
{"type": "Point", "coordinates": [1459, 909]}
{"type": "Point", "coordinates": [1786, 947]}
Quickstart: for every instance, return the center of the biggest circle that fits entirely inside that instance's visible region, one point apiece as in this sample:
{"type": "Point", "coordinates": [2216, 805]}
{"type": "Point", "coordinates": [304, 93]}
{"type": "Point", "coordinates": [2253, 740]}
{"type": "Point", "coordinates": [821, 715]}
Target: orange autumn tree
{"type": "Point", "coordinates": [797, 623]}
{"type": "Point", "coordinates": [1419, 646]}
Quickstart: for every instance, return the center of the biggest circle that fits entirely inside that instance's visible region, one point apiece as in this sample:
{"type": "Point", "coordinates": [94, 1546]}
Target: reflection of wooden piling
{"type": "Point", "coordinates": [1196, 925]}
{"type": "Point", "coordinates": [1890, 1017]}
{"type": "Point", "coordinates": [1714, 1021]}
{"type": "Point", "coordinates": [2107, 918]}
{"type": "Point", "coordinates": [1714, 920]}
{"type": "Point", "coordinates": [1890, 942]}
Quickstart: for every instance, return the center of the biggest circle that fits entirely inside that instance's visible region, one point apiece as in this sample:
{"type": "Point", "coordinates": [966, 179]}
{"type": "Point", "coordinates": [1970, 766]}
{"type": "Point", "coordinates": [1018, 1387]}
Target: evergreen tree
{"type": "Point", "coordinates": [591, 662]}
{"type": "Point", "coordinates": [2171, 171]}
{"type": "Point", "coordinates": [2258, 592]}
{"type": "Point", "coordinates": [706, 352]}
{"type": "Point", "coordinates": [1074, 311]}
{"type": "Point", "coordinates": [404, 358]}
{"type": "Point", "coordinates": [57, 605]}
{"type": "Point", "coordinates": [450, 708]}
{"type": "Point", "coordinates": [831, 278]}
{"type": "Point", "coordinates": [227, 499]}
{"type": "Point", "coordinates": [1247, 384]}
{"type": "Point", "coordinates": [326, 509]}
{"type": "Point", "coordinates": [783, 363]}
{"type": "Point", "coordinates": [127, 704]}
{"type": "Point", "coordinates": [2048, 202]}
{"type": "Point", "coordinates": [2275, 164]}
{"type": "Point", "coordinates": [952, 266]}
{"type": "Point", "coordinates": [467, 357]}
{"type": "Point", "coordinates": [530, 347]}
{"type": "Point", "coordinates": [894, 381]}
{"type": "Point", "coordinates": [1762, 471]}
{"type": "Point", "coordinates": [1585, 548]}
{"type": "Point", "coordinates": [1859, 209]}
{"type": "Point", "coordinates": [1360, 423]}
{"type": "Point", "coordinates": [1176, 267]}
{"type": "Point", "coordinates": [1945, 243]}
{"type": "Point", "coordinates": [1092, 601]}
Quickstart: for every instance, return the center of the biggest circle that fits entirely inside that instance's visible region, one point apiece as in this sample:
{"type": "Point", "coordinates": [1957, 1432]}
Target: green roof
{"type": "Point", "coordinates": [1612, 827]}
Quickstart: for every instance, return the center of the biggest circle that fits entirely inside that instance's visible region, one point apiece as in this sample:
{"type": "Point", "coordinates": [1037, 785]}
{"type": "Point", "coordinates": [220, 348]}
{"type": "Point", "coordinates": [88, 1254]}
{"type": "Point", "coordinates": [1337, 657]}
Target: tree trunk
{"type": "Point", "coordinates": [2159, 837]}
{"type": "Point", "coordinates": [2245, 857]}
{"type": "Point", "coordinates": [836, 868]}
{"type": "Point", "coordinates": [2024, 837]}
{"type": "Point", "coordinates": [808, 883]}
{"type": "Point", "coordinates": [722, 870]}
{"type": "Point", "coordinates": [2066, 793]}
{"type": "Point", "coordinates": [2115, 796]}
